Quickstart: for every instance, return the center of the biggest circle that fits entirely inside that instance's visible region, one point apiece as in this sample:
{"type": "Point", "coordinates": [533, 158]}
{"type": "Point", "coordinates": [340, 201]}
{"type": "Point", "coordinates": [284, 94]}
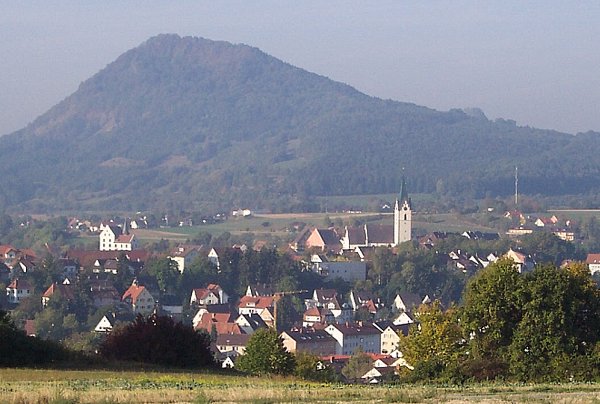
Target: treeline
{"type": "Point", "coordinates": [538, 326]}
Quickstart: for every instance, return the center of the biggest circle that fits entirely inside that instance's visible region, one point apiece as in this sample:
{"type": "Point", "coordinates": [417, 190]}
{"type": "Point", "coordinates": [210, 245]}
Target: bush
{"type": "Point", "coordinates": [159, 340]}
{"type": "Point", "coordinates": [17, 349]}
{"type": "Point", "coordinates": [484, 369]}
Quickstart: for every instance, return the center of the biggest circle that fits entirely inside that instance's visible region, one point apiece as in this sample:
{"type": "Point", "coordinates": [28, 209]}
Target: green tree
{"type": "Point", "coordinates": [159, 340]}
{"type": "Point", "coordinates": [561, 322]}
{"type": "Point", "coordinates": [287, 313]}
{"type": "Point", "coordinates": [166, 273]}
{"type": "Point", "coordinates": [265, 354]}
{"type": "Point", "coordinates": [358, 364]}
{"type": "Point", "coordinates": [309, 367]}
{"type": "Point", "coordinates": [438, 336]}
{"type": "Point", "coordinates": [492, 309]}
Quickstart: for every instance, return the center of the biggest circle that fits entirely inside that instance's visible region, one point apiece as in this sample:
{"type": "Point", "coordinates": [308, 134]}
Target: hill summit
{"type": "Point", "coordinates": [190, 123]}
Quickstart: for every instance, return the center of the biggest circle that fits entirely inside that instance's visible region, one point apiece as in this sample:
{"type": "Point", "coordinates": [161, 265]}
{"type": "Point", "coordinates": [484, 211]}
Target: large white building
{"type": "Point", "coordinates": [371, 235]}
{"type": "Point", "coordinates": [352, 336]}
{"type": "Point", "coordinates": [113, 238]}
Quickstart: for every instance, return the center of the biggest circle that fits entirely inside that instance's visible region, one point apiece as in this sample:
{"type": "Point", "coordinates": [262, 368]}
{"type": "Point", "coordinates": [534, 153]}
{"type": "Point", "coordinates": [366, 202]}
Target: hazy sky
{"type": "Point", "coordinates": [537, 62]}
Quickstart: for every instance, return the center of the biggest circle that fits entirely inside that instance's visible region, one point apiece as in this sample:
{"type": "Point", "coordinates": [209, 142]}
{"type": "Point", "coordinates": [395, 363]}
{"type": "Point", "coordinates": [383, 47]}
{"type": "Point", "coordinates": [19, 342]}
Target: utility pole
{"type": "Point", "coordinates": [516, 186]}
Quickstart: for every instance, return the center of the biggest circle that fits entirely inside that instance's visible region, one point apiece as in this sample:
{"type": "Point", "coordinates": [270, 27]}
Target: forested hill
{"type": "Point", "coordinates": [190, 123]}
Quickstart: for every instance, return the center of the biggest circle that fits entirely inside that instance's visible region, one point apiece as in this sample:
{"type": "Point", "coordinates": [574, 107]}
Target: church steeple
{"type": "Point", "coordinates": [403, 215]}
{"type": "Point", "coordinates": [403, 192]}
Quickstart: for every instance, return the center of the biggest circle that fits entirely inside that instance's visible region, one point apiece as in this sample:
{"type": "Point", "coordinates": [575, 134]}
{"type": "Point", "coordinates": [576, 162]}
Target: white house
{"type": "Point", "coordinates": [139, 299]}
{"type": "Point", "coordinates": [184, 255]}
{"type": "Point", "coordinates": [593, 261]}
{"type": "Point", "coordinates": [18, 290]}
{"type": "Point", "coordinates": [113, 238]}
{"type": "Point", "coordinates": [212, 294]}
{"type": "Point", "coordinates": [352, 336]}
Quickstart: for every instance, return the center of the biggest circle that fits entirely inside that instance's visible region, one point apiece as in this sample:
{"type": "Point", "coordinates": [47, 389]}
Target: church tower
{"type": "Point", "coordinates": [402, 216]}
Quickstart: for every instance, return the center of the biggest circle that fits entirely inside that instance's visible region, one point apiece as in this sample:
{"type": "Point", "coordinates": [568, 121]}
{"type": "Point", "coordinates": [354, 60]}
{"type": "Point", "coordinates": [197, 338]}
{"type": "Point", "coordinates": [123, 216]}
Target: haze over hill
{"type": "Point", "coordinates": [189, 123]}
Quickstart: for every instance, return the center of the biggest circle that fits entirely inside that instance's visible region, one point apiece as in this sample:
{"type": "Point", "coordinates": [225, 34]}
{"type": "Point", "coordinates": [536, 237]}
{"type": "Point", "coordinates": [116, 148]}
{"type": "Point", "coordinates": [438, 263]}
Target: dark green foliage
{"type": "Point", "coordinates": [17, 349]}
{"type": "Point", "coordinates": [221, 125]}
{"type": "Point", "coordinates": [159, 340]}
{"type": "Point", "coordinates": [309, 367]}
{"type": "Point", "coordinates": [265, 354]}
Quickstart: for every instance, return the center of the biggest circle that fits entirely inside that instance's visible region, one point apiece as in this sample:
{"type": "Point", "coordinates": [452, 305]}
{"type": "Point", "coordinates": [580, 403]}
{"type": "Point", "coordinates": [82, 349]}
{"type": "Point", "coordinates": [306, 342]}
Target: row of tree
{"type": "Point", "coordinates": [542, 325]}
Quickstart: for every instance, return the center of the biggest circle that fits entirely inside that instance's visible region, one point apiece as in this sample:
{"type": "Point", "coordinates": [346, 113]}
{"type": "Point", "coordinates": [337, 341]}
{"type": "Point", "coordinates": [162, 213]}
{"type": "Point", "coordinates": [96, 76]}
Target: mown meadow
{"type": "Point", "coordinates": [105, 386]}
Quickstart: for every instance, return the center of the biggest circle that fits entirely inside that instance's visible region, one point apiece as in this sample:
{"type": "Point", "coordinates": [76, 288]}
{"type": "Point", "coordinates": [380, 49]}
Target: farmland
{"type": "Point", "coordinates": [282, 225]}
{"type": "Point", "coordinates": [105, 386]}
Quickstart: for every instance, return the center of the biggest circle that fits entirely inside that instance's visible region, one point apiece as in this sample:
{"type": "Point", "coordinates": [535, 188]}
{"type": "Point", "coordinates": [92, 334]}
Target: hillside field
{"type": "Point", "coordinates": [104, 386]}
{"type": "Point", "coordinates": [281, 225]}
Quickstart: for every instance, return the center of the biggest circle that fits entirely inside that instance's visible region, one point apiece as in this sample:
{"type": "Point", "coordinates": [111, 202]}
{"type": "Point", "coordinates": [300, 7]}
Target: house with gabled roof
{"type": "Point", "coordinates": [390, 335]}
{"type": "Point", "coordinates": [103, 293]}
{"type": "Point", "coordinates": [353, 336]}
{"type": "Point", "coordinates": [210, 322]}
{"type": "Point", "coordinates": [249, 323]}
{"type": "Point", "coordinates": [255, 305]}
{"type": "Point", "coordinates": [18, 290]}
{"type": "Point", "coordinates": [232, 345]}
{"type": "Point", "coordinates": [65, 291]}
{"type": "Point", "coordinates": [108, 322]}
{"type": "Point", "coordinates": [299, 241]}
{"type": "Point", "coordinates": [363, 298]}
{"type": "Point", "coordinates": [521, 261]}
{"type": "Point", "coordinates": [316, 342]}
{"type": "Point", "coordinates": [316, 316]}
{"type": "Point", "coordinates": [409, 302]}
{"type": "Point", "coordinates": [404, 318]}
{"type": "Point", "coordinates": [139, 299]}
{"type": "Point", "coordinates": [217, 253]}
{"type": "Point", "coordinates": [379, 374]}
{"type": "Point", "coordinates": [204, 296]}
{"type": "Point", "coordinates": [593, 262]}
{"type": "Point", "coordinates": [259, 290]}
{"type": "Point", "coordinates": [115, 238]}
{"type": "Point", "coordinates": [324, 239]}
{"type": "Point", "coordinates": [184, 255]}
{"type": "Point", "coordinates": [223, 311]}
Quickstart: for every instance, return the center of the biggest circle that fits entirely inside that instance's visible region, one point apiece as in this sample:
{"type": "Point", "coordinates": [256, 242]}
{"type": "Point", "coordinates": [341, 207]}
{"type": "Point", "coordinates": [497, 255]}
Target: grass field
{"type": "Point", "coordinates": [280, 225]}
{"type": "Point", "coordinates": [65, 386]}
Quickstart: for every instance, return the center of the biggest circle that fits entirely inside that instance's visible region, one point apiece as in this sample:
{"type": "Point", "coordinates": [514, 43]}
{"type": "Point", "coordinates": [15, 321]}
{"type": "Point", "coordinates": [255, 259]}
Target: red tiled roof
{"type": "Point", "coordinates": [220, 328]}
{"type": "Point", "coordinates": [261, 302]}
{"type": "Point", "coordinates": [124, 238]}
{"type": "Point", "coordinates": [134, 292]}
{"type": "Point", "coordinates": [6, 248]}
{"type": "Point", "coordinates": [65, 290]}
{"type": "Point", "coordinates": [356, 235]}
{"type": "Point", "coordinates": [19, 284]}
{"type": "Point", "coordinates": [593, 259]}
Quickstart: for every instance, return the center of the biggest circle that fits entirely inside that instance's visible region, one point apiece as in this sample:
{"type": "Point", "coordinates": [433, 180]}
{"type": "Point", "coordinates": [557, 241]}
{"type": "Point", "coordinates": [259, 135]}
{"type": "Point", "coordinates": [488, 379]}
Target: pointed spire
{"type": "Point", "coordinates": [403, 191]}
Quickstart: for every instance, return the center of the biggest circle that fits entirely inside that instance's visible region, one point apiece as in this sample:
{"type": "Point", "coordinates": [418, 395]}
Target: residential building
{"type": "Point", "coordinates": [139, 299]}
{"type": "Point", "coordinates": [114, 238]}
{"type": "Point", "coordinates": [316, 342]}
{"type": "Point", "coordinates": [352, 336]}
{"type": "Point", "coordinates": [18, 290]}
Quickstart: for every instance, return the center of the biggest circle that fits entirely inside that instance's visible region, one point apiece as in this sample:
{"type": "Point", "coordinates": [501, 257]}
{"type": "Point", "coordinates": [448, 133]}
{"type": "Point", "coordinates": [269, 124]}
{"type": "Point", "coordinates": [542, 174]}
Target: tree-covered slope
{"type": "Point", "coordinates": [193, 124]}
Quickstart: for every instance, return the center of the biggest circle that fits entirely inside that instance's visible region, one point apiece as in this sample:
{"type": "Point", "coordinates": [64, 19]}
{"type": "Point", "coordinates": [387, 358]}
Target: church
{"type": "Point", "coordinates": [383, 235]}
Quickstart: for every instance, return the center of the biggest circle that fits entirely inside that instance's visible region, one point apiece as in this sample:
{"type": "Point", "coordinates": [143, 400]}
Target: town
{"type": "Point", "coordinates": [330, 292]}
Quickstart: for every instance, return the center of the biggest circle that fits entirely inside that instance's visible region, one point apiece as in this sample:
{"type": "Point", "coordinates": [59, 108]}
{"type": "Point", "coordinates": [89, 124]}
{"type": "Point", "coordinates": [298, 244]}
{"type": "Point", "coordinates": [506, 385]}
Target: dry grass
{"type": "Point", "coordinates": [66, 387]}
